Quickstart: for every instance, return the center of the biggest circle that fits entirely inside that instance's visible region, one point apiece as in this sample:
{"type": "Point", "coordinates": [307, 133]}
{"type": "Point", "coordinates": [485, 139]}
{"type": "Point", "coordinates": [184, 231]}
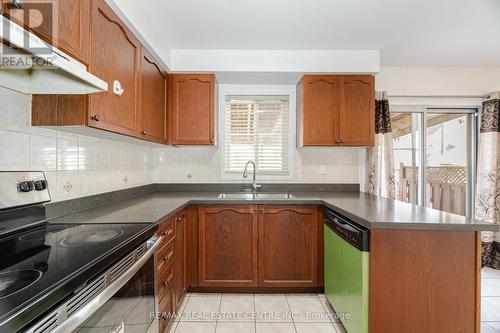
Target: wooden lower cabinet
{"type": "Point", "coordinates": [288, 246]}
{"type": "Point", "coordinates": [166, 308]}
{"type": "Point", "coordinates": [180, 257]}
{"type": "Point", "coordinates": [244, 247]}
{"type": "Point", "coordinates": [425, 281]}
{"type": "Point", "coordinates": [414, 274]}
{"type": "Point", "coordinates": [228, 246]}
{"type": "Point", "coordinates": [259, 246]}
{"type": "Point", "coordinates": [166, 274]}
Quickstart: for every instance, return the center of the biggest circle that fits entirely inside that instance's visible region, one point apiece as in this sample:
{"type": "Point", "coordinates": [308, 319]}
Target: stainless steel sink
{"type": "Point", "coordinates": [253, 196]}
{"type": "Point", "coordinates": [275, 196]}
{"type": "Point", "coordinates": [247, 196]}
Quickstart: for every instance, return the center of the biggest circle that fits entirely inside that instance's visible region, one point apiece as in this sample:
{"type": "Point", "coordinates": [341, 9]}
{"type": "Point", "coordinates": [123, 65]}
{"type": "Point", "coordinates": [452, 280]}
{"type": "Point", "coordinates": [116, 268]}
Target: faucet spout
{"type": "Point", "coordinates": [254, 181]}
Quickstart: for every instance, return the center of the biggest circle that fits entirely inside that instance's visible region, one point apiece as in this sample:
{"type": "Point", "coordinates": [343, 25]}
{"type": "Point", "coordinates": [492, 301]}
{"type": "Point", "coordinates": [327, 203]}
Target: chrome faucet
{"type": "Point", "coordinates": [245, 175]}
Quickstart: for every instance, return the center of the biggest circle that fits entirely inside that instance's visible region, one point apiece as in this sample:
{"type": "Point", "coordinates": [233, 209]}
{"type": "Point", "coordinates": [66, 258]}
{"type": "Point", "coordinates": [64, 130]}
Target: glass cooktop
{"type": "Point", "coordinates": [48, 263]}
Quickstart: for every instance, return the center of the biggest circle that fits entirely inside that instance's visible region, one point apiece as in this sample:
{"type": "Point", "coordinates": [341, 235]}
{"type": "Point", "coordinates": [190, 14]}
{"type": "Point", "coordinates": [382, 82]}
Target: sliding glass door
{"type": "Point", "coordinates": [406, 131]}
{"type": "Point", "coordinates": [447, 152]}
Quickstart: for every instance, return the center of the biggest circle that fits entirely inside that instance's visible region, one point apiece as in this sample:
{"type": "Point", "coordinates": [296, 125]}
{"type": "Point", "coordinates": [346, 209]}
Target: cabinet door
{"type": "Point", "coordinates": [180, 260]}
{"type": "Point", "coordinates": [228, 246]}
{"type": "Point", "coordinates": [193, 104]}
{"type": "Point", "coordinates": [320, 110]}
{"type": "Point", "coordinates": [65, 24]}
{"type": "Point", "coordinates": [288, 246]}
{"type": "Point", "coordinates": [357, 110]}
{"type": "Point", "coordinates": [115, 57]}
{"type": "Point", "coordinates": [153, 99]}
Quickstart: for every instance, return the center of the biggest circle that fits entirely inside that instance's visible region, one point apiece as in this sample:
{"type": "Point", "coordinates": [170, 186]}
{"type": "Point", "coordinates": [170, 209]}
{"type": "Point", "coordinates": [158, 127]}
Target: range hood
{"type": "Point", "coordinates": [31, 66]}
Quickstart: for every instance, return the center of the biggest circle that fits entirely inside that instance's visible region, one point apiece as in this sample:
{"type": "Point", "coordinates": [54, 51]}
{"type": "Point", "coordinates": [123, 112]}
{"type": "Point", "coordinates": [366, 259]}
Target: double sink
{"type": "Point", "coordinates": [254, 196]}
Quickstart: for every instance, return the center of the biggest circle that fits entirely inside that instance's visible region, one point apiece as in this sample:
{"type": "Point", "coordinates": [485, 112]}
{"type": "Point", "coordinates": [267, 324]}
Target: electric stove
{"type": "Point", "coordinates": [44, 264]}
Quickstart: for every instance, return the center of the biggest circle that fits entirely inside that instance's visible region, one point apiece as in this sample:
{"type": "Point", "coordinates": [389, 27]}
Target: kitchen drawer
{"type": "Point", "coordinates": [165, 283]}
{"type": "Point", "coordinates": [165, 256]}
{"type": "Point", "coordinates": [167, 229]}
{"type": "Point", "coordinates": [166, 309]}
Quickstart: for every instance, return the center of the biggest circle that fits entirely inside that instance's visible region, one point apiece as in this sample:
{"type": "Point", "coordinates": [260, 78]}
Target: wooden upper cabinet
{"type": "Point", "coordinates": [357, 116]}
{"type": "Point", "coordinates": [63, 23]}
{"type": "Point", "coordinates": [116, 60]}
{"type": "Point", "coordinates": [288, 246]}
{"type": "Point", "coordinates": [319, 111]}
{"type": "Point", "coordinates": [153, 99]}
{"type": "Point", "coordinates": [228, 246]}
{"type": "Point", "coordinates": [336, 110]}
{"type": "Point", "coordinates": [136, 82]}
{"type": "Point", "coordinates": [192, 110]}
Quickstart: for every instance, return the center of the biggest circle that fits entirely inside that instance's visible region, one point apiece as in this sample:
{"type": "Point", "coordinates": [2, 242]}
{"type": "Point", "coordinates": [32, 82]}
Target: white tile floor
{"type": "Point", "coordinates": [294, 313]}
{"type": "Point", "coordinates": [490, 301]}
{"type": "Point", "coordinates": [256, 313]}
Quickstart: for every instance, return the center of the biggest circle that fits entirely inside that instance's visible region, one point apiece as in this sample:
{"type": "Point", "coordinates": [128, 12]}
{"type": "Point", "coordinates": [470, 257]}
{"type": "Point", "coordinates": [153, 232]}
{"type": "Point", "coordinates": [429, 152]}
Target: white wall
{"type": "Point", "coordinates": [432, 81]}
{"type": "Point", "coordinates": [75, 165]}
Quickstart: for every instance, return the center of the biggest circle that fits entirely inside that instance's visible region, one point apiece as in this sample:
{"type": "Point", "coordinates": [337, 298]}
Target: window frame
{"type": "Point", "coordinates": [441, 105]}
{"type": "Point", "coordinates": [257, 90]}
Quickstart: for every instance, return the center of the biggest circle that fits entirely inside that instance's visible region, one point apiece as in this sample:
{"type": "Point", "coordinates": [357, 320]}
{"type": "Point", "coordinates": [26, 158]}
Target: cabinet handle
{"type": "Point", "coordinates": [168, 232]}
{"type": "Point", "coordinates": [255, 211]}
{"type": "Point", "coordinates": [17, 4]}
{"type": "Point", "coordinates": [168, 256]}
{"type": "Point", "coordinates": [167, 281]}
{"type": "Point", "coordinates": [117, 88]}
{"type": "Point", "coordinates": [96, 117]}
{"type": "Point", "coordinates": [212, 140]}
{"type": "Point", "coordinates": [143, 132]}
{"type": "Point", "coordinates": [341, 141]}
{"type": "Point", "coordinates": [337, 141]}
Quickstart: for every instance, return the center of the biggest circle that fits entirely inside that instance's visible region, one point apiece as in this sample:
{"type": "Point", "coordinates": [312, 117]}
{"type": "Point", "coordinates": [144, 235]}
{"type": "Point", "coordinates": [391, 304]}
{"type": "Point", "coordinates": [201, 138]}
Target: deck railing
{"type": "Point", "coordinates": [445, 187]}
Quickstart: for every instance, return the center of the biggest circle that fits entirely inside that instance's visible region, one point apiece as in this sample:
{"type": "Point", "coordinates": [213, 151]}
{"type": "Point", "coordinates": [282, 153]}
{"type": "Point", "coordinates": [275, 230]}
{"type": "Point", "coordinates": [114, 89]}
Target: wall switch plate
{"type": "Point", "coordinates": [322, 169]}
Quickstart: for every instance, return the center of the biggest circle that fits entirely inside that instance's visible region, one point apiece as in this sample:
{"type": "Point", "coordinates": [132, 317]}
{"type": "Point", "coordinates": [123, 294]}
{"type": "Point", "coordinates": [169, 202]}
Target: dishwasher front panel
{"type": "Point", "coordinates": [346, 281]}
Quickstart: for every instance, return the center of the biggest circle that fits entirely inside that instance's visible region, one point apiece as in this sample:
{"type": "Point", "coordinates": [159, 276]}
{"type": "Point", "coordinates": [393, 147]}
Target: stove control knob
{"type": "Point", "coordinates": [27, 186]}
{"type": "Point", "coordinates": [41, 185]}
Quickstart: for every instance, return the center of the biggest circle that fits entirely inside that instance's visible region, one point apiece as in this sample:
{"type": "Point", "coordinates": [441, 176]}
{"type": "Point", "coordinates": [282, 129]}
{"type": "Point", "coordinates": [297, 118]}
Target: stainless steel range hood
{"type": "Point", "coordinates": [31, 66]}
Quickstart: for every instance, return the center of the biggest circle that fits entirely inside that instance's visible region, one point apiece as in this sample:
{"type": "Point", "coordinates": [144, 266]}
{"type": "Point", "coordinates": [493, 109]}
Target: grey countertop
{"type": "Point", "coordinates": [373, 212]}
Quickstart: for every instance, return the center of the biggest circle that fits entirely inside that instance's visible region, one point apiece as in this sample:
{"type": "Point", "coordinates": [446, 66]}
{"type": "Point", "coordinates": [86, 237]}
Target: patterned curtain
{"type": "Point", "coordinates": [488, 182]}
{"type": "Point", "coordinates": [380, 159]}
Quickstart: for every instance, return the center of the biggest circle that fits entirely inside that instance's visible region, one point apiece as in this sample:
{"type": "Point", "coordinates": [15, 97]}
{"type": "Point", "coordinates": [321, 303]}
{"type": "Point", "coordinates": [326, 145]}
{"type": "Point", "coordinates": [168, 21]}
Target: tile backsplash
{"type": "Point", "coordinates": [78, 165]}
{"type": "Point", "coordinates": [75, 165]}
{"type": "Point", "coordinates": [203, 165]}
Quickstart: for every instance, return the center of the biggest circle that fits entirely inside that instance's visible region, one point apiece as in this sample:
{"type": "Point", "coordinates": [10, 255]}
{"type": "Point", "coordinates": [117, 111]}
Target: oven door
{"type": "Point", "coordinates": [120, 300]}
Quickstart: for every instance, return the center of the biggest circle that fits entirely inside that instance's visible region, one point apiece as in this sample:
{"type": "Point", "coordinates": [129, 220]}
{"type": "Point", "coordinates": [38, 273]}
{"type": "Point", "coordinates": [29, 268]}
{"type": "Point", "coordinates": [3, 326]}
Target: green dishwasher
{"type": "Point", "coordinates": [346, 270]}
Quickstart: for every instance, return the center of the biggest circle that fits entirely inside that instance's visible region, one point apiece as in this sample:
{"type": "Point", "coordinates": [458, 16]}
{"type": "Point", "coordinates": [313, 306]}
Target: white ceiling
{"type": "Point", "coordinates": [449, 33]}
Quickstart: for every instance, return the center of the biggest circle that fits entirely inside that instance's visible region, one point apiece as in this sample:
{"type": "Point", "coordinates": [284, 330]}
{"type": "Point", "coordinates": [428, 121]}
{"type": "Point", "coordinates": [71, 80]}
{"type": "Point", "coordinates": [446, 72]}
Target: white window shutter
{"type": "Point", "coordinates": [257, 130]}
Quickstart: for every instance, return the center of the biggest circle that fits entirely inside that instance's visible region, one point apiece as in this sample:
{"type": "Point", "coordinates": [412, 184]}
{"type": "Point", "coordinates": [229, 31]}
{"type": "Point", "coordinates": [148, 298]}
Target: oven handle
{"type": "Point", "coordinates": [79, 317]}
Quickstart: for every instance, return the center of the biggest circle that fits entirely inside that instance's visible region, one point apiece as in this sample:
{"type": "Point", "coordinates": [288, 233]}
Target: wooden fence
{"type": "Point", "coordinates": [445, 187]}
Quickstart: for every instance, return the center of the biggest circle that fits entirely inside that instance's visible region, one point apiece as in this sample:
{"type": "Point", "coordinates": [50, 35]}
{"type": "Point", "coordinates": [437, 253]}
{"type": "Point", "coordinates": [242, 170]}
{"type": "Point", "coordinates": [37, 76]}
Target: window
{"type": "Point", "coordinates": [445, 140]}
{"type": "Point", "coordinates": [256, 130]}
